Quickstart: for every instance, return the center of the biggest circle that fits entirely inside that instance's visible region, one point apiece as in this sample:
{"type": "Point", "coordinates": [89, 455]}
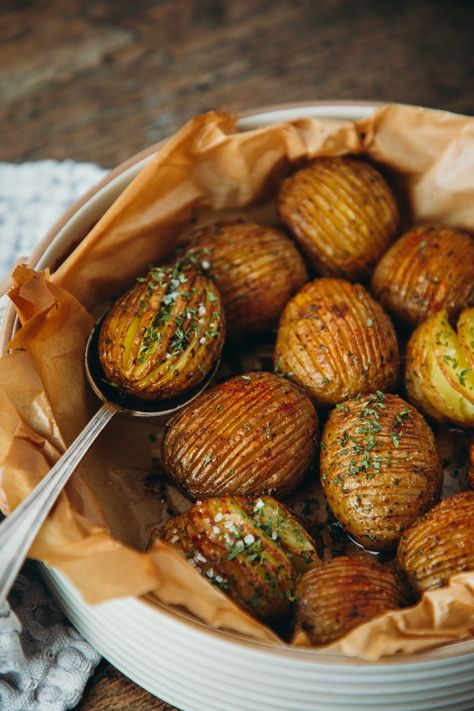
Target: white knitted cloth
{"type": "Point", "coordinates": [44, 662]}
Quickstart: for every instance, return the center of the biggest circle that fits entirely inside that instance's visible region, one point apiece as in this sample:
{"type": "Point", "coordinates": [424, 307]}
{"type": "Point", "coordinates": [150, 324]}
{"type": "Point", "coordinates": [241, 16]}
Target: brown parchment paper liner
{"type": "Point", "coordinates": [97, 532]}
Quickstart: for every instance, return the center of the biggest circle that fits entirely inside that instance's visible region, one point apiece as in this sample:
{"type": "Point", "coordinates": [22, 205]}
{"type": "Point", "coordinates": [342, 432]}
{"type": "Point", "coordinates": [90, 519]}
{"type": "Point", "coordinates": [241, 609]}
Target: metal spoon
{"type": "Point", "coordinates": [19, 529]}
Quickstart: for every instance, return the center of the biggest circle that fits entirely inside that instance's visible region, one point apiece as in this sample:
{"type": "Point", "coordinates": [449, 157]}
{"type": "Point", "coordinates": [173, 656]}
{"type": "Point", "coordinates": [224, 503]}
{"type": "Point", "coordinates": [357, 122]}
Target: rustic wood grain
{"type": "Point", "coordinates": [98, 80]}
{"type": "Point", "coordinates": [109, 690]}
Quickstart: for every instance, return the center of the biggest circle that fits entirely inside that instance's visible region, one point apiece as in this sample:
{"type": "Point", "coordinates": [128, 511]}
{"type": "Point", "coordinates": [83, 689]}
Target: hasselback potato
{"type": "Point", "coordinates": [336, 596]}
{"type": "Point", "coordinates": [336, 341]}
{"type": "Point", "coordinates": [429, 268]}
{"type": "Point", "coordinates": [380, 468]}
{"type": "Point", "coordinates": [251, 435]}
{"type": "Point", "coordinates": [439, 371]}
{"type": "Point", "coordinates": [342, 214]}
{"type": "Point", "coordinates": [251, 548]}
{"type": "Point", "coordinates": [163, 336]}
{"type": "Point", "coordinates": [257, 269]}
{"type": "Point", "coordinates": [440, 544]}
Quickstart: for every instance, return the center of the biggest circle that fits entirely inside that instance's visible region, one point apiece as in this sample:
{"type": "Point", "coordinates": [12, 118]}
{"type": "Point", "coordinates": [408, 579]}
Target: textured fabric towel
{"type": "Point", "coordinates": [44, 662]}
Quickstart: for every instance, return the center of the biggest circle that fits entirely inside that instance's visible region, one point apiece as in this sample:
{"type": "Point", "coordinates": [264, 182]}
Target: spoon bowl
{"type": "Point", "coordinates": [125, 402]}
{"type": "Point", "coordinates": [19, 529]}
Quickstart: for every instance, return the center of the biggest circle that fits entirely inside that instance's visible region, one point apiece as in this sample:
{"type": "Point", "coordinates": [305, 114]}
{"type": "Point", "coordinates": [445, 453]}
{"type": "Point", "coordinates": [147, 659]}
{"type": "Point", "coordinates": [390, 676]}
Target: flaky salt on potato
{"type": "Point", "coordinates": [429, 268]}
{"type": "Point", "coordinates": [257, 269]}
{"type": "Point", "coordinates": [252, 549]}
{"type": "Point", "coordinates": [335, 597]}
{"type": "Point", "coordinates": [440, 544]}
{"type": "Point", "coordinates": [439, 372]}
{"type": "Point", "coordinates": [380, 468]}
{"type": "Point", "coordinates": [342, 214]}
{"type": "Point", "coordinates": [253, 434]}
{"type": "Point", "coordinates": [336, 341]}
{"type": "Point", "coordinates": [164, 335]}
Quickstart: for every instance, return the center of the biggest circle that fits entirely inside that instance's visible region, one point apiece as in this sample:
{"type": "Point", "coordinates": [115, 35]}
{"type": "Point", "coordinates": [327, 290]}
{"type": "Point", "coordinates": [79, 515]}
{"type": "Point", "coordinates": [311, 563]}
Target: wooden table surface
{"type": "Point", "coordinates": [98, 80]}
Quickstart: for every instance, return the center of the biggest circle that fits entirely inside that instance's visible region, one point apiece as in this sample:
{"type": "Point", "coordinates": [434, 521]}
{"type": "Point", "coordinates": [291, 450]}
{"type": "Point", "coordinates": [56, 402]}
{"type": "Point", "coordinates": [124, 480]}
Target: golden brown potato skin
{"type": "Point", "coordinates": [380, 468]}
{"type": "Point", "coordinates": [257, 269]}
{"type": "Point", "coordinates": [342, 214]}
{"type": "Point", "coordinates": [163, 336]}
{"type": "Point", "coordinates": [251, 435]}
{"type": "Point", "coordinates": [248, 547]}
{"type": "Point", "coordinates": [440, 544]}
{"type": "Point", "coordinates": [439, 374]}
{"type": "Point", "coordinates": [337, 596]}
{"type": "Point", "coordinates": [429, 268]}
{"type": "Point", "coordinates": [336, 341]}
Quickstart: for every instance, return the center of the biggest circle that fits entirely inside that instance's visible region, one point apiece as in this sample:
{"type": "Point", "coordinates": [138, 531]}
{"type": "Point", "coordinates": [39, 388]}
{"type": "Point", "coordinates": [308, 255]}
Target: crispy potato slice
{"type": "Point", "coordinates": [279, 524]}
{"type": "Point", "coordinates": [439, 375]}
{"type": "Point", "coordinates": [452, 359]}
{"type": "Point", "coordinates": [465, 330]}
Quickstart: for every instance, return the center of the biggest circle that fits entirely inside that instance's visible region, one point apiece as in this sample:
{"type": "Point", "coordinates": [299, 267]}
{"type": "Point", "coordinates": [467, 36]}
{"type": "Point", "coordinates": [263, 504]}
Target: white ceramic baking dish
{"type": "Point", "coordinates": [198, 669]}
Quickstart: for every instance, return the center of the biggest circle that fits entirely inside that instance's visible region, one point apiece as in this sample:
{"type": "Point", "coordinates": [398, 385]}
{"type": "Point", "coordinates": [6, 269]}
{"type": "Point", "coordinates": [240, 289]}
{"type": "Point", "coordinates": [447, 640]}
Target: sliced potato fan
{"type": "Point", "coordinates": [429, 268]}
{"type": "Point", "coordinates": [250, 548]}
{"type": "Point", "coordinates": [253, 434]}
{"type": "Point", "coordinates": [164, 335]}
{"type": "Point", "coordinates": [440, 544]}
{"type": "Point", "coordinates": [337, 596]}
{"type": "Point", "coordinates": [336, 341]}
{"type": "Point", "coordinates": [440, 368]}
{"type": "Point", "coordinates": [380, 468]}
{"type": "Point", "coordinates": [257, 269]}
{"type": "Point", "coordinates": [342, 214]}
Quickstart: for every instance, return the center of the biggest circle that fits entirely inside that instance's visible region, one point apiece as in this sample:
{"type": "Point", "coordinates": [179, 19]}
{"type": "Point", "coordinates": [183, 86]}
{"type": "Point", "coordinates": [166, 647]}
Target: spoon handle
{"type": "Point", "coordinates": [19, 529]}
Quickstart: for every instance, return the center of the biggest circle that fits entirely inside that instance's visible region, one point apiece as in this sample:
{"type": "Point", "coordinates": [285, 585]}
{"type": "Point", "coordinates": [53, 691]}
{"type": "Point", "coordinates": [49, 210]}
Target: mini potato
{"type": "Point", "coordinates": [257, 269]}
{"type": "Point", "coordinates": [336, 341]}
{"type": "Point", "coordinates": [380, 468]}
{"type": "Point", "coordinates": [252, 549]}
{"type": "Point", "coordinates": [439, 371]}
{"type": "Point", "coordinates": [251, 435]}
{"type": "Point", "coordinates": [342, 214]}
{"type": "Point", "coordinates": [440, 544]}
{"type": "Point", "coordinates": [429, 268]}
{"type": "Point", "coordinates": [163, 336]}
{"type": "Point", "coordinates": [337, 596]}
